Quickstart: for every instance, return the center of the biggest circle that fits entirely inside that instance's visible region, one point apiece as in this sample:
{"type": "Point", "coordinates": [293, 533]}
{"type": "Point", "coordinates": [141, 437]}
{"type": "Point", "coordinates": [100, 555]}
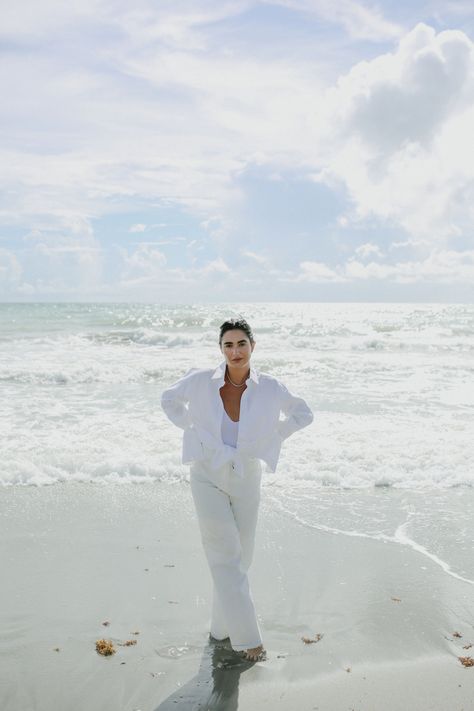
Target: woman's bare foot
{"type": "Point", "coordinates": [255, 654]}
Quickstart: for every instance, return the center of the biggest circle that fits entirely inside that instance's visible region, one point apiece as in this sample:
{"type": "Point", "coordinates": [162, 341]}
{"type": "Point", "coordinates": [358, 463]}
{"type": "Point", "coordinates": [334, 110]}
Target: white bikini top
{"type": "Point", "coordinates": [229, 430]}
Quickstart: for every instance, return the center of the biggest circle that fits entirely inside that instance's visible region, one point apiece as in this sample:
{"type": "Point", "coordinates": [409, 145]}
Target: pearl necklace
{"type": "Point", "coordinates": [235, 384]}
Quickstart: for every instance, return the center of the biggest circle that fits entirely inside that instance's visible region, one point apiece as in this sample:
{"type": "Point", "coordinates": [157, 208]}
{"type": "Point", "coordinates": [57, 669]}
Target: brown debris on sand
{"type": "Point", "coordinates": [466, 661]}
{"type": "Point", "coordinates": [457, 634]}
{"type": "Point", "coordinates": [105, 647]}
{"type": "Point", "coordinates": [396, 599]}
{"type": "Point", "coordinates": [467, 646]}
{"type": "Point", "coordinates": [309, 640]}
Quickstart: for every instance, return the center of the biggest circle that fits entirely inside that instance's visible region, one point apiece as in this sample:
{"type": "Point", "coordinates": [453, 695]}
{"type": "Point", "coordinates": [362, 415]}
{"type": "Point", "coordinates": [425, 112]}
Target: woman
{"type": "Point", "coordinates": [231, 421]}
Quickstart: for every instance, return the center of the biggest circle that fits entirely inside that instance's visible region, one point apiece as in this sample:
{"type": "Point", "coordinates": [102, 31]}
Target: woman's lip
{"type": "Point", "coordinates": [236, 360]}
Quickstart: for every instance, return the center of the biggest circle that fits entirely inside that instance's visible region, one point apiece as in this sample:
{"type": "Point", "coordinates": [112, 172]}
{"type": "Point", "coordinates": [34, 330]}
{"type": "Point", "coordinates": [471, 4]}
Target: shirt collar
{"type": "Point", "coordinates": [219, 373]}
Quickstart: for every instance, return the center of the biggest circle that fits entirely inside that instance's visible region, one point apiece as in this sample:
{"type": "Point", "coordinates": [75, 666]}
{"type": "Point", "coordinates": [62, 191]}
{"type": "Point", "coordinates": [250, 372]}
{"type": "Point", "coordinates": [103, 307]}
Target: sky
{"type": "Point", "coordinates": [237, 150]}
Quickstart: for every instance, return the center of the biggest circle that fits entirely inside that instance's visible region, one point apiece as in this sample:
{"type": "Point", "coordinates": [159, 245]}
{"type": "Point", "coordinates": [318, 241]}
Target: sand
{"type": "Point", "coordinates": [75, 556]}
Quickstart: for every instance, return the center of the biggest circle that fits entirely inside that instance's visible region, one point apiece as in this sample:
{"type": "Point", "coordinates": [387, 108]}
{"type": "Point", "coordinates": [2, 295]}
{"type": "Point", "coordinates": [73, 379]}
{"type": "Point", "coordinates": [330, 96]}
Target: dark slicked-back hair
{"type": "Point", "coordinates": [239, 323]}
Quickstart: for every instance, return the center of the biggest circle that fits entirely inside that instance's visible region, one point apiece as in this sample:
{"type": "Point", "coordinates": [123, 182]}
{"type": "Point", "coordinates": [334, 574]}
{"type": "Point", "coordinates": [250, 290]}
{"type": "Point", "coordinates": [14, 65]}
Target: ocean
{"type": "Point", "coordinates": [389, 455]}
{"type": "Point", "coordinates": [391, 387]}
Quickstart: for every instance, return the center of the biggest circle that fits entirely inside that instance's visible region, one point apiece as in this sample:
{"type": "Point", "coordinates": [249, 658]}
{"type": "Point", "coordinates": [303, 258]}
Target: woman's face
{"type": "Point", "coordinates": [237, 349]}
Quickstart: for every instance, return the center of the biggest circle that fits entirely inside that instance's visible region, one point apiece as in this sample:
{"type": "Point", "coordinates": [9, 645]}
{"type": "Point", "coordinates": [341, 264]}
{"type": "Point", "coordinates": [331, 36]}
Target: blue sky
{"type": "Point", "coordinates": [237, 150]}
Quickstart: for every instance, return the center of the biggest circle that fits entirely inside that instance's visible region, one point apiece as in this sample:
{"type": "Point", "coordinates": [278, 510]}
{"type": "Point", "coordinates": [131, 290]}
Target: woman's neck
{"type": "Point", "coordinates": [235, 375]}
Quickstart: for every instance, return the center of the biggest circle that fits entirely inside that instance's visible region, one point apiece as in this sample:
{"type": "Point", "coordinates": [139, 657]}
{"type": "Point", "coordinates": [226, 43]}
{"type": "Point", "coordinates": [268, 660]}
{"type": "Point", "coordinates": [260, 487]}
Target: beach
{"type": "Point", "coordinates": [85, 561]}
{"type": "Point", "coordinates": [365, 543]}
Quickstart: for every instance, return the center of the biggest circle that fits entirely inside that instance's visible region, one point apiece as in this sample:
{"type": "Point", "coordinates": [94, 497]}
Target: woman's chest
{"type": "Point", "coordinates": [255, 408]}
{"type": "Point", "coordinates": [231, 400]}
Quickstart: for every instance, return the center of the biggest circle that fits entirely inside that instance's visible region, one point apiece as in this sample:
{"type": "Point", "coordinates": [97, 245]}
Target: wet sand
{"type": "Point", "coordinates": [75, 556]}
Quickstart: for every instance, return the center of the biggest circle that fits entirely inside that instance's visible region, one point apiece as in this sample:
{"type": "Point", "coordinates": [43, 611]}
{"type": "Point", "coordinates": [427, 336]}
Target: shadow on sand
{"type": "Point", "coordinates": [216, 685]}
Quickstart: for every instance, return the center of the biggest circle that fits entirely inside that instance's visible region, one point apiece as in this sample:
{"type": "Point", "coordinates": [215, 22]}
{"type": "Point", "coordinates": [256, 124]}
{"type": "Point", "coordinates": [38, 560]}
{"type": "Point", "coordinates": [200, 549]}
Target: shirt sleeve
{"type": "Point", "coordinates": [174, 400]}
{"type": "Point", "coordinates": [298, 414]}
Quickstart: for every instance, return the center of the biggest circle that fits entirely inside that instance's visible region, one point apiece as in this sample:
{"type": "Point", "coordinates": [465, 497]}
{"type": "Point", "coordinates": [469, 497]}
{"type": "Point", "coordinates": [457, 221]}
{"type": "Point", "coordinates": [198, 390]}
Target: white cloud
{"type": "Point", "coordinates": [145, 274]}
{"type": "Point", "coordinates": [180, 25]}
{"type": "Point", "coordinates": [139, 227]}
{"type": "Point", "coordinates": [144, 260]}
{"type": "Point", "coordinates": [256, 258]}
{"type": "Point", "coordinates": [440, 266]}
{"type": "Point", "coordinates": [216, 266]}
{"type": "Point", "coordinates": [409, 243]}
{"type": "Point", "coordinates": [359, 20]}
{"type": "Point", "coordinates": [399, 135]}
{"type": "Point", "coordinates": [318, 272]}
{"type": "Point", "coordinates": [364, 250]}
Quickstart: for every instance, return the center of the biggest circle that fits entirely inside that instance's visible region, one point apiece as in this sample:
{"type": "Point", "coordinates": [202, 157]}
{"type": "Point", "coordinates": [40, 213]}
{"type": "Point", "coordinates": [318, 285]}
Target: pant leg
{"type": "Point", "coordinates": [223, 519]}
{"type": "Point", "coordinates": [245, 511]}
{"type": "Point", "coordinates": [245, 506]}
{"type": "Point", "coordinates": [218, 627]}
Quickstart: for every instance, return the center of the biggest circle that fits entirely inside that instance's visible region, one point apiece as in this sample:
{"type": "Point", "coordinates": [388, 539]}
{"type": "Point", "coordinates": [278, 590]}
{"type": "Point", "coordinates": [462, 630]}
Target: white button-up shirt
{"type": "Point", "coordinates": [194, 403]}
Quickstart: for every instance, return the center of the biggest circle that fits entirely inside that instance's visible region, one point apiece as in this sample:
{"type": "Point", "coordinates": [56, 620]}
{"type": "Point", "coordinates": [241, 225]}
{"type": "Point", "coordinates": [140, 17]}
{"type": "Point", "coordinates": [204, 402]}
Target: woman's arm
{"type": "Point", "coordinates": [298, 414]}
{"type": "Point", "coordinates": [175, 398]}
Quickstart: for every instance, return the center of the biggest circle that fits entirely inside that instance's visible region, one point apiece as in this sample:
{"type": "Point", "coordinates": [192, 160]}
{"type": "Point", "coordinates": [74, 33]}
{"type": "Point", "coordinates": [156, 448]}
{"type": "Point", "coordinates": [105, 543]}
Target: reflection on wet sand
{"type": "Point", "coordinates": [216, 685]}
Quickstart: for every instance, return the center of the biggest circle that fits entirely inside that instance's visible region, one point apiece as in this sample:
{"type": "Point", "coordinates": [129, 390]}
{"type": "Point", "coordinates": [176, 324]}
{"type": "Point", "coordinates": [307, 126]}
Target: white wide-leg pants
{"type": "Point", "coordinates": [227, 509]}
